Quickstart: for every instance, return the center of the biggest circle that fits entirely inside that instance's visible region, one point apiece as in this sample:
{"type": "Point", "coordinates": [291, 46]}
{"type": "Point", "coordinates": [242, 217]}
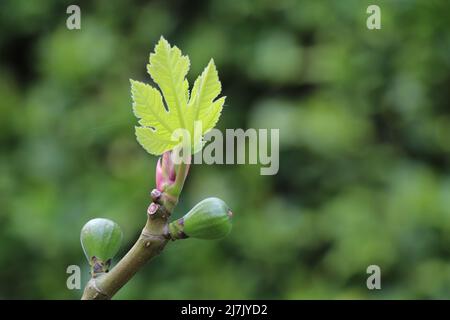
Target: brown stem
{"type": "Point", "coordinates": [151, 242]}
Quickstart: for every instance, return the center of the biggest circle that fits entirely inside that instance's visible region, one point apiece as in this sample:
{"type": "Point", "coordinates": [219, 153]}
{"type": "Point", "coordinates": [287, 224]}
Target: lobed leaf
{"type": "Point", "coordinates": [168, 69]}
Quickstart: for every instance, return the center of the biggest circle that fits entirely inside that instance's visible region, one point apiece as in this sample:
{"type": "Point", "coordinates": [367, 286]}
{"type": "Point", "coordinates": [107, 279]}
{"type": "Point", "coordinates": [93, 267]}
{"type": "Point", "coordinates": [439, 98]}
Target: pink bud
{"type": "Point", "coordinates": [159, 176]}
{"type": "Point", "coordinates": [165, 171]}
{"type": "Point", "coordinates": [168, 166]}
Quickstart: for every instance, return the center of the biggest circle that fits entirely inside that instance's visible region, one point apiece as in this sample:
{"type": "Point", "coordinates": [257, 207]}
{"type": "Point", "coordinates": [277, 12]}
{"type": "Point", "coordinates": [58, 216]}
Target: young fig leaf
{"type": "Point", "coordinates": [168, 68]}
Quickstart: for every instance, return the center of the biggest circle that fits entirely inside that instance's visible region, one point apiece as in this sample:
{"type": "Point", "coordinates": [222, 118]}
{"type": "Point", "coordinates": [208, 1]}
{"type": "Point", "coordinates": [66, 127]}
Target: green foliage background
{"type": "Point", "coordinates": [364, 164]}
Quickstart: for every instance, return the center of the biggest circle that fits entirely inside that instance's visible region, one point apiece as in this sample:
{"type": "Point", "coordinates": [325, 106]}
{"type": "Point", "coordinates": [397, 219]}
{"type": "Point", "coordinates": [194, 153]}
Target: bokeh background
{"type": "Point", "coordinates": [364, 124]}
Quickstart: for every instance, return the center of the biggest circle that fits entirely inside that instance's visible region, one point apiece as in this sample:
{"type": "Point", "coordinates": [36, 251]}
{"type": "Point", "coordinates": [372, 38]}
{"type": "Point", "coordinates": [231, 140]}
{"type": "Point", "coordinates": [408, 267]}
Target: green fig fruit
{"type": "Point", "coordinates": [100, 239]}
{"type": "Point", "coordinates": [209, 219]}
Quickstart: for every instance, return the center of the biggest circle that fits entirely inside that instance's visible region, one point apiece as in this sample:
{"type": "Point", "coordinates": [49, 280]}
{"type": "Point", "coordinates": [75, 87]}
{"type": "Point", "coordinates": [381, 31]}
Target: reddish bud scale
{"type": "Point", "coordinates": [165, 172]}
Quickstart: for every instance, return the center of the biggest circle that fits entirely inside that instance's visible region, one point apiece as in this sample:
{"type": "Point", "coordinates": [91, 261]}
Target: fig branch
{"type": "Point", "coordinates": [209, 219]}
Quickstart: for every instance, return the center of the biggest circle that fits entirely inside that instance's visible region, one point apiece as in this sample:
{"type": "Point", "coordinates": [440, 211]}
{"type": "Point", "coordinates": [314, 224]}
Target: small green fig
{"type": "Point", "coordinates": [209, 219]}
{"type": "Point", "coordinates": [100, 239]}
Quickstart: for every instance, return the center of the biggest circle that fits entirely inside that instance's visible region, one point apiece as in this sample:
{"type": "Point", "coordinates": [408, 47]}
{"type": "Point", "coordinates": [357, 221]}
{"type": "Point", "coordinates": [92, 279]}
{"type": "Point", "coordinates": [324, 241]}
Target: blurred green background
{"type": "Point", "coordinates": [364, 124]}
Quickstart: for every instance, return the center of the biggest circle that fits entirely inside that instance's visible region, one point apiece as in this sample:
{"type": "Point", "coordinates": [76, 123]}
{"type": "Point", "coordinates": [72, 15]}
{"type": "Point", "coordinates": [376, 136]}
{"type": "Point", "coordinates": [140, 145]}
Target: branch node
{"type": "Point", "coordinates": [152, 208]}
{"type": "Point", "coordinates": [156, 195]}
